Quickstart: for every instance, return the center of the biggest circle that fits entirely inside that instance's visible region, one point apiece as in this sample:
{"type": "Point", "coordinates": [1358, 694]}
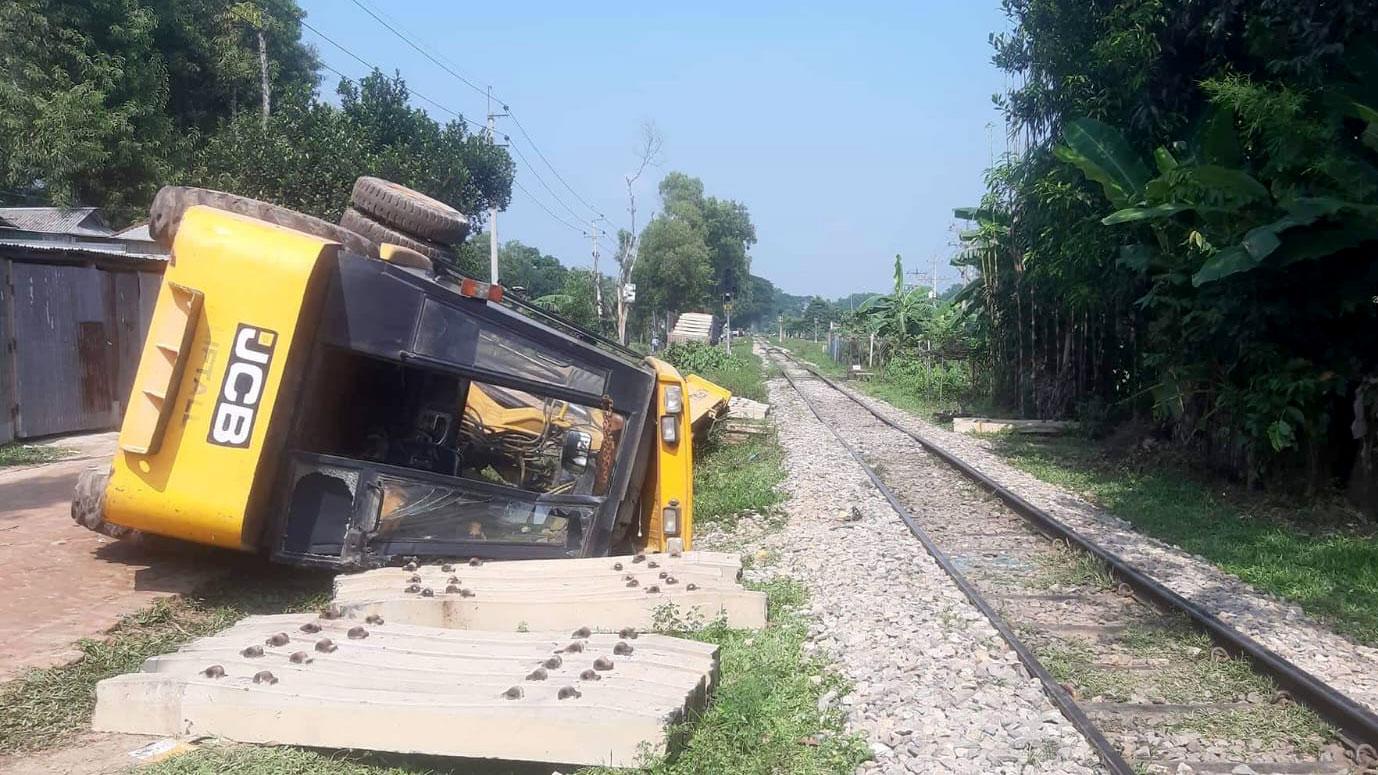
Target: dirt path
{"type": "Point", "coordinates": [61, 582]}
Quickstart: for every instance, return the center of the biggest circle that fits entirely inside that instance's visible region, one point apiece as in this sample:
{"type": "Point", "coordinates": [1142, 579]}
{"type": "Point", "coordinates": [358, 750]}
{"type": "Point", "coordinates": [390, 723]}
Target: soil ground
{"type": "Point", "coordinates": [62, 582]}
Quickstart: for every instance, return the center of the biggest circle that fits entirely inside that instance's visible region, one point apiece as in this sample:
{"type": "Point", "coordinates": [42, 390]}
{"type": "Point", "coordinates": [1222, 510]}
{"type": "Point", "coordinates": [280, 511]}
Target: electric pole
{"type": "Point", "coordinates": [597, 276]}
{"type": "Point", "coordinates": [493, 211]}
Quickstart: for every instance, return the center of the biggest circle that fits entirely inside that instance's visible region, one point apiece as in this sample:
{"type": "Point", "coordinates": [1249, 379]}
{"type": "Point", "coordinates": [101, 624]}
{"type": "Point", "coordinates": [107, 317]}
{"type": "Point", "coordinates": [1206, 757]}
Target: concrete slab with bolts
{"type": "Point", "coordinates": [395, 687]}
{"type": "Point", "coordinates": [605, 593]}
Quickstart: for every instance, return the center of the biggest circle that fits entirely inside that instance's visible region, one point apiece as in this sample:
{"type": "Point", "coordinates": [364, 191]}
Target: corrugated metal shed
{"type": "Point", "coordinates": [74, 311]}
{"type": "Point", "coordinates": [85, 221]}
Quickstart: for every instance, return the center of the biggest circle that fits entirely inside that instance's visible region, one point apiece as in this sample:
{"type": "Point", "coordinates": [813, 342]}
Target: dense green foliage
{"type": "Point", "coordinates": [1188, 233]}
{"type": "Point", "coordinates": [692, 253]}
{"type": "Point", "coordinates": [104, 102]}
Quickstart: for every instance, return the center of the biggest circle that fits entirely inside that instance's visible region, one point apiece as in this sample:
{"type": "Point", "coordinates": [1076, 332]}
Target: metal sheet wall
{"type": "Point", "coordinates": [7, 405]}
{"type": "Point", "coordinates": [77, 334]}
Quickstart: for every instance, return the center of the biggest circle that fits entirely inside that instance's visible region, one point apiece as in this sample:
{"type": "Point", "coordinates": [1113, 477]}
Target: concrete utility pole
{"type": "Point", "coordinates": [597, 276]}
{"type": "Point", "coordinates": [492, 211]}
{"type": "Point", "coordinates": [781, 337]}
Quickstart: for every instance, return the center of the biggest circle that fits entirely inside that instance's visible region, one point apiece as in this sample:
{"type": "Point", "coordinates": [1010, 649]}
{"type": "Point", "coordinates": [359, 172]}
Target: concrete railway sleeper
{"type": "Point", "coordinates": [1155, 683]}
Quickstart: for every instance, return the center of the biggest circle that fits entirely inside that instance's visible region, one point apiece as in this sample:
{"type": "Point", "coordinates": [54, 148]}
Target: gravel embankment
{"type": "Point", "coordinates": [936, 689]}
{"type": "Point", "coordinates": [1348, 667]}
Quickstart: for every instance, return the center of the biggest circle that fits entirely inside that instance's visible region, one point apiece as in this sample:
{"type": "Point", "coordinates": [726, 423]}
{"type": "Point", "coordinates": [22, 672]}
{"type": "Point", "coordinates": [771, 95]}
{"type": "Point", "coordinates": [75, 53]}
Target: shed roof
{"type": "Point", "coordinates": [85, 221]}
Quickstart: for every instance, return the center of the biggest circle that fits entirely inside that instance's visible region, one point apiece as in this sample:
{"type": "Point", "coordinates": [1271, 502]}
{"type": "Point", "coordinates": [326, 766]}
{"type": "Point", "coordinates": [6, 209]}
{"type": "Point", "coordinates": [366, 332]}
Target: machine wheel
{"type": "Point", "coordinates": [408, 211]}
{"type": "Point", "coordinates": [378, 233]}
{"type": "Point", "coordinates": [171, 203]}
{"type": "Point", "coordinates": [88, 503]}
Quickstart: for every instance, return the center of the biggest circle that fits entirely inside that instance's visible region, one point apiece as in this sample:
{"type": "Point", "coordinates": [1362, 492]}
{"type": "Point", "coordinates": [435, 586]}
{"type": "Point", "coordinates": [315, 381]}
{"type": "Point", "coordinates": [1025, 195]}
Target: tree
{"type": "Point", "coordinates": [647, 154]}
{"type": "Point", "coordinates": [527, 267]}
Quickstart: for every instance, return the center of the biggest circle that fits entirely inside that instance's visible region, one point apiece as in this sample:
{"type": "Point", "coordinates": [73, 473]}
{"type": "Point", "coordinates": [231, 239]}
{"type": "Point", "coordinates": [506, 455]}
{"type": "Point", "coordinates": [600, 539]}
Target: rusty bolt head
{"type": "Point", "coordinates": [633, 583]}
{"type": "Point", "coordinates": [662, 574]}
{"type": "Point", "coordinates": [574, 647]}
{"type": "Point", "coordinates": [671, 580]}
{"type": "Point", "coordinates": [590, 675]}
{"type": "Point", "coordinates": [357, 633]}
{"type": "Point", "coordinates": [475, 562]}
{"type": "Point", "coordinates": [569, 692]}
{"type": "Point", "coordinates": [1124, 590]}
{"type": "Point", "coordinates": [1219, 654]}
{"type": "Point", "coordinates": [428, 592]}
{"type": "Point", "coordinates": [411, 566]}
{"type": "Point", "coordinates": [582, 632]}
{"type": "Point", "coordinates": [602, 663]}
{"type": "Point", "coordinates": [447, 568]}
{"type": "Point", "coordinates": [412, 588]}
{"type": "Point", "coordinates": [539, 674]}
{"type": "Point", "coordinates": [640, 557]}
{"type": "Point", "coordinates": [265, 677]}
{"type": "Point", "coordinates": [414, 579]}
{"type": "Point", "coordinates": [652, 564]}
{"type": "Point", "coordinates": [514, 693]}
{"type": "Point", "coordinates": [214, 671]}
{"type": "Point", "coordinates": [300, 658]}
{"type": "Point", "coordinates": [332, 612]}
{"type": "Point", "coordinates": [623, 649]}
{"type": "Point", "coordinates": [691, 586]}
{"type": "Point", "coordinates": [452, 580]}
{"type": "Point", "coordinates": [554, 662]}
{"type": "Point", "coordinates": [310, 628]}
{"type": "Point", "coordinates": [653, 589]}
{"type": "Point", "coordinates": [325, 645]}
{"type": "Point", "coordinates": [627, 632]}
{"type": "Point", "coordinates": [252, 652]}
{"type": "Point", "coordinates": [373, 619]}
{"type": "Point", "coordinates": [452, 589]}
{"type": "Point", "coordinates": [1283, 697]}
{"type": "Point", "coordinates": [617, 566]}
{"type": "Point", "coordinates": [277, 639]}
{"type": "Point", "coordinates": [466, 593]}
{"type": "Point", "coordinates": [627, 577]}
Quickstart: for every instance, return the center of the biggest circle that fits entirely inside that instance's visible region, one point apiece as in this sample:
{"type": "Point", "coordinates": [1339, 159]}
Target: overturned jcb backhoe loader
{"type": "Point", "coordinates": [320, 393]}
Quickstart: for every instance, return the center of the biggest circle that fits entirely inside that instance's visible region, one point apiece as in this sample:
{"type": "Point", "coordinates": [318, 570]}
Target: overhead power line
{"type": "Point", "coordinates": [547, 187]}
{"type": "Point", "coordinates": [372, 66]}
{"type": "Point", "coordinates": [548, 211]}
{"type": "Point", "coordinates": [436, 59]}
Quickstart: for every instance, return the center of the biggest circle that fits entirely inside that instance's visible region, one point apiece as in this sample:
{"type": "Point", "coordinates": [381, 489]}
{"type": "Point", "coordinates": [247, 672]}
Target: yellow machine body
{"type": "Point", "coordinates": [191, 449]}
{"type": "Point", "coordinates": [670, 482]}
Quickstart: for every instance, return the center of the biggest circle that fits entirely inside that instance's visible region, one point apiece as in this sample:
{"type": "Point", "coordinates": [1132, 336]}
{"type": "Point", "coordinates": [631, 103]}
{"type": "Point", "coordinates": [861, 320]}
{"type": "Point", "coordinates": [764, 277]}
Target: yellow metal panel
{"type": "Point", "coordinates": [672, 476]}
{"type": "Point", "coordinates": [707, 401]}
{"type": "Point", "coordinates": [199, 483]}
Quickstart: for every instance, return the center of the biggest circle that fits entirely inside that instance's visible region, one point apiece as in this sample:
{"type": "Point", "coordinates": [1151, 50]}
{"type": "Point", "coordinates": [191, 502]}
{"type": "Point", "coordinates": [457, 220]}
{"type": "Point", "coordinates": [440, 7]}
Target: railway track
{"type": "Point", "coordinates": [1155, 683]}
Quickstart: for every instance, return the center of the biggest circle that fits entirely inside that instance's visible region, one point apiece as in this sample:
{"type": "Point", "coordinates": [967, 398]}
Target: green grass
{"type": "Point", "coordinates": [764, 718]}
{"type": "Point", "coordinates": [733, 478]}
{"type": "Point", "coordinates": [1331, 572]}
{"type": "Point", "coordinates": [743, 373]}
{"type": "Point", "coordinates": [899, 393]}
{"type": "Point", "coordinates": [18, 454]}
{"type": "Point", "coordinates": [46, 708]}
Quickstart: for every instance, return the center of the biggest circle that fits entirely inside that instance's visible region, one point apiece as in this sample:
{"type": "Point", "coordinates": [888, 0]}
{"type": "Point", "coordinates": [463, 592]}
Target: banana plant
{"type": "Point", "coordinates": [1213, 201]}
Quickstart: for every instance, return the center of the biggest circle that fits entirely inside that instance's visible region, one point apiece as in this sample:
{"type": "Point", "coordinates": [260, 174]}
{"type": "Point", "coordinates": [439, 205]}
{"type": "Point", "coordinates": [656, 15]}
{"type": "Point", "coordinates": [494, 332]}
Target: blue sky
{"type": "Point", "coordinates": [850, 130]}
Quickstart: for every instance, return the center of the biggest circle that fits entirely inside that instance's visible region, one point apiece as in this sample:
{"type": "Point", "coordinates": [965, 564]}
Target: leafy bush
{"type": "Point", "coordinates": [695, 357]}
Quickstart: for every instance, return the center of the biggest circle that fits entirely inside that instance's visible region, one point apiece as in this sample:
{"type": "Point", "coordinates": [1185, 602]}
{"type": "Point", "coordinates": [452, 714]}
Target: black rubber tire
{"type": "Point", "coordinates": [408, 211]}
{"type": "Point", "coordinates": [171, 203]}
{"type": "Point", "coordinates": [378, 233]}
{"type": "Point", "coordinates": [88, 503]}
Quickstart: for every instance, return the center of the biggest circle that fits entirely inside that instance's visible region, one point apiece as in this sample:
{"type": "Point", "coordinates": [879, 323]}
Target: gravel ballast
{"type": "Point", "coordinates": [1280, 626]}
{"type": "Point", "coordinates": [935, 687]}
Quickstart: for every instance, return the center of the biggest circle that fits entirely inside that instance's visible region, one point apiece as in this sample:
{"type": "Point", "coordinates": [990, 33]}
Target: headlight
{"type": "Point", "coordinates": [669, 428]}
{"type": "Point", "coordinates": [674, 399]}
{"type": "Point", "coordinates": [669, 518]}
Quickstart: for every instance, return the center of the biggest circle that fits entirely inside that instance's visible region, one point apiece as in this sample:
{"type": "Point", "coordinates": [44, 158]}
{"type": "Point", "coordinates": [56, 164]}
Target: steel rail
{"type": "Point", "coordinates": [1358, 726]}
{"type": "Point", "coordinates": [1111, 757]}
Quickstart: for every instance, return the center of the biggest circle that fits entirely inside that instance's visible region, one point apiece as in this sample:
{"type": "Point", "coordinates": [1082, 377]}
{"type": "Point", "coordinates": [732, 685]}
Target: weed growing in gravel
{"type": "Point", "coordinates": [1290, 724]}
{"type": "Point", "coordinates": [253, 760]}
{"type": "Point", "coordinates": [46, 708]}
{"type": "Point", "coordinates": [1070, 567]}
